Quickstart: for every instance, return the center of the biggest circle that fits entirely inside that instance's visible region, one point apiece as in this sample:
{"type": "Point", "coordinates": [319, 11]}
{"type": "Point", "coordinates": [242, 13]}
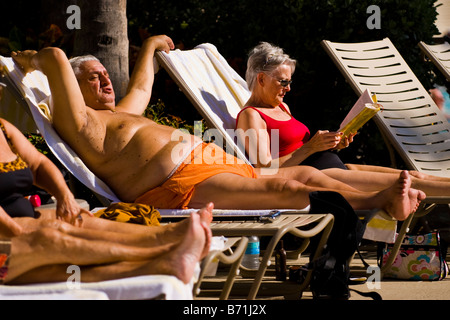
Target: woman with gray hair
{"type": "Point", "coordinates": [268, 75]}
{"type": "Point", "coordinates": [274, 138]}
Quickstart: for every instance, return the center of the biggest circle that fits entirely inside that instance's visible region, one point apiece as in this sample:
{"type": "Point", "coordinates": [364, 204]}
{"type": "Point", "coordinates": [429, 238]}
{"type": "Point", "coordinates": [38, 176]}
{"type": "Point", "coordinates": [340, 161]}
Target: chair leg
{"type": "Point", "coordinates": [398, 242]}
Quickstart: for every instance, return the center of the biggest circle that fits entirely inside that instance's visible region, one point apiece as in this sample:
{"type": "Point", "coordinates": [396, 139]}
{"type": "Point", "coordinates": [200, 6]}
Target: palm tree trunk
{"type": "Point", "coordinates": [103, 33]}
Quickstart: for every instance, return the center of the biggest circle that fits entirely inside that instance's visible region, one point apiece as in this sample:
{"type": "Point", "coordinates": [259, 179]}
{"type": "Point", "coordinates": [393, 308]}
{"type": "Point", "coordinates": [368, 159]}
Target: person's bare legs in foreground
{"type": "Point", "coordinates": [36, 256]}
{"type": "Point", "coordinates": [124, 233]}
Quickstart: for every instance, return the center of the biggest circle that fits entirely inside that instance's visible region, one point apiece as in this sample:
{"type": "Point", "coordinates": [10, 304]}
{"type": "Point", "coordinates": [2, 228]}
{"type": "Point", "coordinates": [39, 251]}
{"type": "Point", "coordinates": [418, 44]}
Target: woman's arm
{"type": "Point", "coordinates": [8, 227]}
{"type": "Point", "coordinates": [251, 131]}
{"type": "Point", "coordinates": [46, 175]}
{"type": "Point", "coordinates": [321, 141]}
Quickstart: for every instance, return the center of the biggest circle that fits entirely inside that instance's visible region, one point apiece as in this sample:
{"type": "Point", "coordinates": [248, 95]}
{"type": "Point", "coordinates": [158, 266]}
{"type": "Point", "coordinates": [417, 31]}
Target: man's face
{"type": "Point", "coordinates": [96, 86]}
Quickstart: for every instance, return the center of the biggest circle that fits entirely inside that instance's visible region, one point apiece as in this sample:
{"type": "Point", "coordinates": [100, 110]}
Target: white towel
{"type": "Point", "coordinates": [134, 288]}
{"type": "Point", "coordinates": [217, 88]}
{"type": "Point", "coordinates": [36, 91]}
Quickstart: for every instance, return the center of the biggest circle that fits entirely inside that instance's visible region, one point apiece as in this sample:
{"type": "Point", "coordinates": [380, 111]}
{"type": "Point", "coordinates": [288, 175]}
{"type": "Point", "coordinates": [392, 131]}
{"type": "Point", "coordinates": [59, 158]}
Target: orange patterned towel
{"type": "Point", "coordinates": [131, 212]}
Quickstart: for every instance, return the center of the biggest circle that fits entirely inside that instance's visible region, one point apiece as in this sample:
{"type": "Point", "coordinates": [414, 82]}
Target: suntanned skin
{"type": "Point", "coordinates": [42, 248]}
{"type": "Point", "coordinates": [133, 154]}
{"type": "Point", "coordinates": [43, 252]}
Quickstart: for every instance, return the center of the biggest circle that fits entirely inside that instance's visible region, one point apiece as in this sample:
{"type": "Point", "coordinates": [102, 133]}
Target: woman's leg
{"type": "Point", "coordinates": [132, 234]}
{"type": "Point", "coordinates": [376, 180]}
{"type": "Point", "coordinates": [229, 191]}
{"type": "Point", "coordinates": [413, 173]}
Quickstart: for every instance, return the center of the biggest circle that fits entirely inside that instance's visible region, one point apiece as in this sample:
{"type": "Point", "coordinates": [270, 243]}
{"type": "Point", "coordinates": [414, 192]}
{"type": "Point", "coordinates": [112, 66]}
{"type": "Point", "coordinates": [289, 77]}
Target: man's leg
{"type": "Point", "coordinates": [50, 247]}
{"type": "Point", "coordinates": [125, 233]}
{"type": "Point", "coordinates": [134, 234]}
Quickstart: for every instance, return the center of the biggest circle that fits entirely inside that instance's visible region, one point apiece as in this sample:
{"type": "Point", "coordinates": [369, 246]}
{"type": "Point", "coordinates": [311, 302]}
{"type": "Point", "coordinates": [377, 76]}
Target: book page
{"type": "Point", "coordinates": [360, 104]}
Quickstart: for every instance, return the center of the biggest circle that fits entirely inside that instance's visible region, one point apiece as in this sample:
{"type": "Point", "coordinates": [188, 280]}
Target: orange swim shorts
{"type": "Point", "coordinates": [202, 163]}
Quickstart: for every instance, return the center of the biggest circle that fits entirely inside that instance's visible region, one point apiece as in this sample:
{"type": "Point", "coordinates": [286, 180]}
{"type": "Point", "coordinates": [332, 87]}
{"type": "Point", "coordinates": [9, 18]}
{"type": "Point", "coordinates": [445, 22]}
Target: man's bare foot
{"type": "Point", "coordinates": [182, 261]}
{"type": "Point", "coordinates": [206, 214]}
{"type": "Point", "coordinates": [400, 200]}
{"type": "Point", "coordinates": [206, 217]}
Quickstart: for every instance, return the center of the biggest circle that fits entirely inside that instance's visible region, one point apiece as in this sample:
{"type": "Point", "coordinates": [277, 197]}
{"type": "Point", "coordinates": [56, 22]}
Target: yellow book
{"type": "Point", "coordinates": [363, 110]}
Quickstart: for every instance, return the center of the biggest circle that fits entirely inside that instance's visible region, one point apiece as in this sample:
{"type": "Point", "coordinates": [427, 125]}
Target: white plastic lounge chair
{"type": "Point", "coordinates": [134, 288]}
{"type": "Point", "coordinates": [410, 121]}
{"type": "Point", "coordinates": [219, 93]}
{"type": "Point", "coordinates": [439, 54]}
{"type": "Point", "coordinates": [35, 90]}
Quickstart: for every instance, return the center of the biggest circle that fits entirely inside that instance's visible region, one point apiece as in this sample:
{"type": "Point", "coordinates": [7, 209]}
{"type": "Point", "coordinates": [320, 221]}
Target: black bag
{"type": "Point", "coordinates": [330, 277]}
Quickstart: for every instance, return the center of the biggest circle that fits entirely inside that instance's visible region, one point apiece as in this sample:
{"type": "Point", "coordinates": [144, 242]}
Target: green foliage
{"type": "Point", "coordinates": [157, 112]}
{"type": "Point", "coordinates": [38, 141]}
{"type": "Point", "coordinates": [320, 97]}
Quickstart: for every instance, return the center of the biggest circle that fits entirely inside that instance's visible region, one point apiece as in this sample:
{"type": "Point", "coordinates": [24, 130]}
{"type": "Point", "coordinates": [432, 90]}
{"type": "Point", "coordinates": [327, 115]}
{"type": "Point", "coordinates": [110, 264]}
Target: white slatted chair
{"type": "Point", "coordinates": [410, 121]}
{"type": "Point", "coordinates": [439, 54]}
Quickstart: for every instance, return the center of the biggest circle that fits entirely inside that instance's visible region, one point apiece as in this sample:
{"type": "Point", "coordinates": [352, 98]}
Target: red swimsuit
{"type": "Point", "coordinates": [292, 133]}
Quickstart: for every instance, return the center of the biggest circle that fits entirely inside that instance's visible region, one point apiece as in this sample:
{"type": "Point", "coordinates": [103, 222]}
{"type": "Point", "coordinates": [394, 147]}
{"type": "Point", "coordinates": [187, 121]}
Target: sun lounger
{"type": "Point", "coordinates": [410, 120]}
{"type": "Point", "coordinates": [134, 288]}
{"type": "Point", "coordinates": [34, 92]}
{"type": "Point", "coordinates": [439, 54]}
{"type": "Point", "coordinates": [219, 93]}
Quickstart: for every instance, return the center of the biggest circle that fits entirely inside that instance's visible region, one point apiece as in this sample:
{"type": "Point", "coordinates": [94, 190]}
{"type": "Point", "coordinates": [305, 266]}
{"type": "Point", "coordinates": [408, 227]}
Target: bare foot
{"type": "Point", "coordinates": [206, 214]}
{"type": "Point", "coordinates": [182, 261]}
{"type": "Point", "coordinates": [400, 200]}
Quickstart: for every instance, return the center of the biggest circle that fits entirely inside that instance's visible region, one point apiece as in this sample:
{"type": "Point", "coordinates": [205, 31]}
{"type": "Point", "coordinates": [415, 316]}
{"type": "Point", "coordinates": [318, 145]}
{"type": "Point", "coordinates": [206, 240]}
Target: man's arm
{"type": "Point", "coordinates": [69, 114]}
{"type": "Point", "coordinates": [141, 82]}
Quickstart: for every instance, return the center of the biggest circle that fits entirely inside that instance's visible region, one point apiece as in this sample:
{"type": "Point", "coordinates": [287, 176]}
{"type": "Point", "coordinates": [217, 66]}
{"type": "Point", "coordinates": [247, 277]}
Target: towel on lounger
{"type": "Point", "coordinates": [131, 212]}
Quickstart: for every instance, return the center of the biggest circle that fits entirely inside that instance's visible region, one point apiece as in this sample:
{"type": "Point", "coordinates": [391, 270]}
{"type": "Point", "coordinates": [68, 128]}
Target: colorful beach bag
{"type": "Point", "coordinates": [421, 257]}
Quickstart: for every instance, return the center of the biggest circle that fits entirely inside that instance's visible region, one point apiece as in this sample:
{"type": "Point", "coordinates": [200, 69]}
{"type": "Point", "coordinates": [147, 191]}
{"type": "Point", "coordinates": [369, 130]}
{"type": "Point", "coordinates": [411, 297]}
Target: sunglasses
{"type": "Point", "coordinates": [283, 83]}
